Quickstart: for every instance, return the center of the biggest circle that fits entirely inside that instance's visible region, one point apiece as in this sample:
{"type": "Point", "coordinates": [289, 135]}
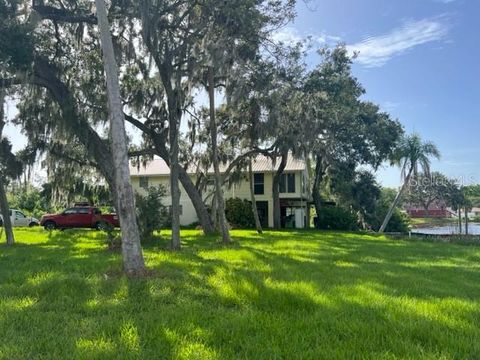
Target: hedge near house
{"type": "Point", "coordinates": [152, 215]}
{"type": "Point", "coordinates": [239, 213]}
{"type": "Point", "coordinates": [337, 218]}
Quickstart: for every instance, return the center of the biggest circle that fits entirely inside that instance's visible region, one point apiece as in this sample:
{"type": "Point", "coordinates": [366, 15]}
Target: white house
{"type": "Point", "coordinates": [473, 213]}
{"type": "Point", "coordinates": [294, 195]}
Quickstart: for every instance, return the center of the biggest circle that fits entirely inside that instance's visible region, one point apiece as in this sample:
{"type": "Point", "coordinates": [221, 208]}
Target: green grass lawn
{"type": "Point", "coordinates": [432, 222]}
{"type": "Point", "coordinates": [283, 295]}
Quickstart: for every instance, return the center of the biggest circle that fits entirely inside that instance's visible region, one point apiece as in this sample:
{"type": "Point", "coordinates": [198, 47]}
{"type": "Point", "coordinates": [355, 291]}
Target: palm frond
{"type": "Point", "coordinates": [412, 155]}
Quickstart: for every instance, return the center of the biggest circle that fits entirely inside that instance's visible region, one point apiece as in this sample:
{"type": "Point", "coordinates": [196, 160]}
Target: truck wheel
{"type": "Point", "coordinates": [32, 224]}
{"type": "Point", "coordinates": [49, 225]}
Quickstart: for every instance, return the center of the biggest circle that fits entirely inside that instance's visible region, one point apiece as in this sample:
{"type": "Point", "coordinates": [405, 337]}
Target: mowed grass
{"type": "Point", "coordinates": [281, 295]}
{"type": "Point", "coordinates": [432, 222]}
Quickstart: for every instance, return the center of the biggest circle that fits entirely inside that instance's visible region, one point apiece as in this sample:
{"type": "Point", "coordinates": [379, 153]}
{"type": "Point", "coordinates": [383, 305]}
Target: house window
{"type": "Point", "coordinates": [258, 184]}
{"type": "Point", "coordinates": [144, 182]}
{"type": "Point", "coordinates": [287, 183]}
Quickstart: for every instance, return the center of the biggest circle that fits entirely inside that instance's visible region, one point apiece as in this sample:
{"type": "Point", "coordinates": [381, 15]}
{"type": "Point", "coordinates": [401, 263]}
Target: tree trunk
{"type": "Point", "coordinates": [4, 209]}
{"type": "Point", "coordinates": [131, 249]}
{"type": "Point", "coordinates": [172, 83]}
{"type": "Point", "coordinates": [173, 126]}
{"type": "Point", "coordinates": [317, 181]}
{"type": "Point", "coordinates": [466, 221]}
{"type": "Point", "coordinates": [277, 220]}
{"type": "Point", "coordinates": [258, 225]}
{"type": "Point", "coordinates": [218, 179]}
{"type": "Point", "coordinates": [215, 212]}
{"type": "Point", "coordinates": [7, 223]}
{"type": "Point", "coordinates": [174, 186]}
{"type": "Point", "coordinates": [395, 202]}
{"type": "Point", "coordinates": [202, 213]}
{"type": "Point", "coordinates": [197, 201]}
{"type": "Point", "coordinates": [460, 220]}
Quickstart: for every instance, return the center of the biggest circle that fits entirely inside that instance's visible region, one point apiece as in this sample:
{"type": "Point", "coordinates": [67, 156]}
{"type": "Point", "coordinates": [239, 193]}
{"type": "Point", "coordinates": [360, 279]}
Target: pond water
{"type": "Point", "coordinates": [473, 229]}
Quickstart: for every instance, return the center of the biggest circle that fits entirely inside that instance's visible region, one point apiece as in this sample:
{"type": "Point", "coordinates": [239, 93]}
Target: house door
{"type": "Point", "coordinates": [262, 209]}
{"type": "Point", "coordinates": [287, 217]}
{"type": "Point", "coordinates": [283, 215]}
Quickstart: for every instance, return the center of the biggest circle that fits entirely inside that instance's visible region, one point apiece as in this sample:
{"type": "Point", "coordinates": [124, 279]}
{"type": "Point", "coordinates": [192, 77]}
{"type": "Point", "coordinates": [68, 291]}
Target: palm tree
{"type": "Point", "coordinates": [458, 200]}
{"type": "Point", "coordinates": [411, 155]}
{"type": "Point", "coordinates": [133, 261]}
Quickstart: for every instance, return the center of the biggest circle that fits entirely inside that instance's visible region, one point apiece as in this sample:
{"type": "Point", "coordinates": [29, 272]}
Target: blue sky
{"type": "Point", "coordinates": [418, 59]}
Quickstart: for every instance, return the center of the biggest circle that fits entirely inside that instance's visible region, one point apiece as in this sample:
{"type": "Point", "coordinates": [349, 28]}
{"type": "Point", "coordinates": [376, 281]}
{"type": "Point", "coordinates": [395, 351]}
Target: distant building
{"type": "Point", "coordinates": [437, 209]}
{"type": "Point", "coordinates": [474, 213]}
{"type": "Point", "coordinates": [294, 195]}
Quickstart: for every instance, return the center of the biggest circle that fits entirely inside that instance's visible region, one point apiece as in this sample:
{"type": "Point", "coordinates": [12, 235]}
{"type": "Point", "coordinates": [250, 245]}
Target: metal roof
{"type": "Point", "coordinates": [261, 163]}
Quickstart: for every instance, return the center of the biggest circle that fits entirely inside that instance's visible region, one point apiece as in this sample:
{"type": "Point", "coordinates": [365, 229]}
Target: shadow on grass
{"type": "Point", "coordinates": [277, 295]}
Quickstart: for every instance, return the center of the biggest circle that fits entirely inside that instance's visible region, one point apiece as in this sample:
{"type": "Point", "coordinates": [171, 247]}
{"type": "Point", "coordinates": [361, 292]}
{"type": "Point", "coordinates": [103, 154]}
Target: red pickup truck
{"type": "Point", "coordinates": [79, 217]}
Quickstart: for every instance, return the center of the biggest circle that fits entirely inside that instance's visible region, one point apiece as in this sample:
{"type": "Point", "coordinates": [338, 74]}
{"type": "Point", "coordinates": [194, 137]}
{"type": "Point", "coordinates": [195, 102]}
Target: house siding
{"type": "Point", "coordinates": [188, 215]}
{"type": "Point", "coordinates": [240, 189]}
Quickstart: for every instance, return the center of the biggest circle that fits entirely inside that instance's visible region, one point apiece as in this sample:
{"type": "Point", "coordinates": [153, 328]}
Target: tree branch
{"type": "Point", "coordinates": [240, 158]}
{"type": "Point", "coordinates": [63, 15]}
{"type": "Point", "coordinates": [81, 162]}
{"type": "Point", "coordinates": [137, 123]}
{"type": "Point", "coordinates": [7, 82]}
{"type": "Point", "coordinates": [45, 75]}
{"type": "Point", "coordinates": [135, 153]}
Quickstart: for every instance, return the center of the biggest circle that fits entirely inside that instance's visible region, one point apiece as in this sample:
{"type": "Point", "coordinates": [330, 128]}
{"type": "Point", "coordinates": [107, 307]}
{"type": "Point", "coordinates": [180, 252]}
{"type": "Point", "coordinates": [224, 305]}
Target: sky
{"type": "Point", "coordinates": [418, 59]}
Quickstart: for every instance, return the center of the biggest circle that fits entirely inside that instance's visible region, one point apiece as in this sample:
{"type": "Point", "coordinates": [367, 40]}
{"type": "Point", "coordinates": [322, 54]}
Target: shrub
{"type": "Point", "coordinates": [193, 225]}
{"type": "Point", "coordinates": [151, 213]}
{"type": "Point", "coordinates": [399, 222]}
{"type": "Point", "coordinates": [113, 240]}
{"type": "Point", "coordinates": [336, 218]}
{"type": "Point", "coordinates": [29, 200]}
{"type": "Point", "coordinates": [239, 213]}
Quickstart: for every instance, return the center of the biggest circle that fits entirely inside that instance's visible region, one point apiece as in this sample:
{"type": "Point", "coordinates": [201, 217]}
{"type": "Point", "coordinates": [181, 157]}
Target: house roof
{"type": "Point", "coordinates": [261, 163]}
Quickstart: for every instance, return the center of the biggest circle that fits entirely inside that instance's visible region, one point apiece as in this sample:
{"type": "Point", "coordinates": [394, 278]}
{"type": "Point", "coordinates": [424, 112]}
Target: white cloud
{"type": "Point", "coordinates": [378, 50]}
{"type": "Point", "coordinates": [326, 39]}
{"type": "Point", "coordinates": [389, 106]}
{"type": "Point", "coordinates": [287, 35]}
{"type": "Point", "coordinates": [291, 36]}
